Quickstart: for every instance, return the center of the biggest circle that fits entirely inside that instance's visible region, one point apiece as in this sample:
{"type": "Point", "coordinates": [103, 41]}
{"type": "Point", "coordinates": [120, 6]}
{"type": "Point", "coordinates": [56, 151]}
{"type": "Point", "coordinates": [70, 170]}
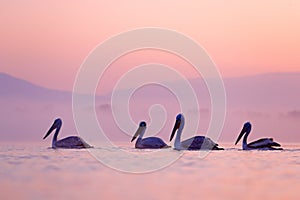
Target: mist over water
{"type": "Point", "coordinates": [33, 171]}
{"type": "Point", "coordinates": [268, 101]}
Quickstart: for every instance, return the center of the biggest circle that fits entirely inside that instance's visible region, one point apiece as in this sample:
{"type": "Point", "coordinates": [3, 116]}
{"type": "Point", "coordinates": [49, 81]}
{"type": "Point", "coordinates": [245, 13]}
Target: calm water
{"type": "Point", "coordinates": [36, 172]}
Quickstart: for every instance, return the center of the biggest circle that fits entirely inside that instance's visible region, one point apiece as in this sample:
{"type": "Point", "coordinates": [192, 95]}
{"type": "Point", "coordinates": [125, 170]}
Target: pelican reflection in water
{"type": "Point", "coordinates": [261, 144]}
{"type": "Point", "coordinates": [71, 142]}
{"type": "Point", "coordinates": [149, 142]}
{"type": "Point", "coordinates": [194, 143]}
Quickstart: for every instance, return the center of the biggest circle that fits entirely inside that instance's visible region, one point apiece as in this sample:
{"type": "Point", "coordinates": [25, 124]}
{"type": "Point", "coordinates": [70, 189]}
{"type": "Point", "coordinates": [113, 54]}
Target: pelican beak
{"type": "Point", "coordinates": [176, 127]}
{"type": "Point", "coordinates": [137, 133]}
{"type": "Point", "coordinates": [54, 126]}
{"type": "Point", "coordinates": [243, 131]}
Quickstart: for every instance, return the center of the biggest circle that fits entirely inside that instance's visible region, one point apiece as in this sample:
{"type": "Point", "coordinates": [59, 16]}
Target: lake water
{"type": "Point", "coordinates": [32, 171]}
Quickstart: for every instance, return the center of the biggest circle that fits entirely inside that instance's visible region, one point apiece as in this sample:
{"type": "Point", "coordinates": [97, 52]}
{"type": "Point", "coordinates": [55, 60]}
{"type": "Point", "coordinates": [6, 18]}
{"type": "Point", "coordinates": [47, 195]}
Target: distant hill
{"type": "Point", "coordinates": [266, 90]}
{"type": "Point", "coordinates": [277, 89]}
{"type": "Point", "coordinates": [12, 87]}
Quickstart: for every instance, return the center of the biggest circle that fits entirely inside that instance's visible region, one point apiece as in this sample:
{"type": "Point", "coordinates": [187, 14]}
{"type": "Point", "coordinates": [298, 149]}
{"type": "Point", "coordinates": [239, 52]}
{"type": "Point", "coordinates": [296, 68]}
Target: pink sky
{"type": "Point", "coordinates": [45, 42]}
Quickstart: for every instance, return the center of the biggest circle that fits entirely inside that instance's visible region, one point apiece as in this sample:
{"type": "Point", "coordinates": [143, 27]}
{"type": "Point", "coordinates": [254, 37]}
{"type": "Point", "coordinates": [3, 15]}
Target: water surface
{"type": "Point", "coordinates": [31, 171]}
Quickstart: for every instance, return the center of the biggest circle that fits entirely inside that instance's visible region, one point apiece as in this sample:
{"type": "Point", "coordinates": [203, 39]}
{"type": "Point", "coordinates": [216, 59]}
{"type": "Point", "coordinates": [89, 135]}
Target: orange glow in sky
{"type": "Point", "coordinates": [45, 42]}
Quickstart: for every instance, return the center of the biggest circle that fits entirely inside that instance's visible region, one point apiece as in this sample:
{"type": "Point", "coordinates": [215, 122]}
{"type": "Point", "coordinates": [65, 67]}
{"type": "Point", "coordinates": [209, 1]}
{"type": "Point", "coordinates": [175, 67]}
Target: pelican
{"type": "Point", "coordinates": [71, 142]}
{"type": "Point", "coordinates": [261, 144]}
{"type": "Point", "coordinates": [194, 143]}
{"type": "Point", "coordinates": [147, 143]}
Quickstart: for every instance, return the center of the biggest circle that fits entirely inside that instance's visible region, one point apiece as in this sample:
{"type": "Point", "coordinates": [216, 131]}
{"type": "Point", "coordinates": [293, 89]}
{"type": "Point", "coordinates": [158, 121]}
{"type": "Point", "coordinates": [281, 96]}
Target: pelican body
{"type": "Point", "coordinates": [261, 144]}
{"type": "Point", "coordinates": [194, 143]}
{"type": "Point", "coordinates": [71, 142]}
{"type": "Point", "coordinates": [149, 142]}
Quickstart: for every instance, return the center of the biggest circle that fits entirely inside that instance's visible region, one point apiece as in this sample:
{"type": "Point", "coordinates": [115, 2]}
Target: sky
{"type": "Point", "coordinates": [45, 42]}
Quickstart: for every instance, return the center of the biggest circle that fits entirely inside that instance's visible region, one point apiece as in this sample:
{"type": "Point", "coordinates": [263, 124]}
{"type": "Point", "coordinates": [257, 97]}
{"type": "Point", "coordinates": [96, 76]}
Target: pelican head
{"type": "Point", "coordinates": [246, 129]}
{"type": "Point", "coordinates": [142, 127]}
{"type": "Point", "coordinates": [56, 125]}
{"type": "Point", "coordinates": [178, 125]}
